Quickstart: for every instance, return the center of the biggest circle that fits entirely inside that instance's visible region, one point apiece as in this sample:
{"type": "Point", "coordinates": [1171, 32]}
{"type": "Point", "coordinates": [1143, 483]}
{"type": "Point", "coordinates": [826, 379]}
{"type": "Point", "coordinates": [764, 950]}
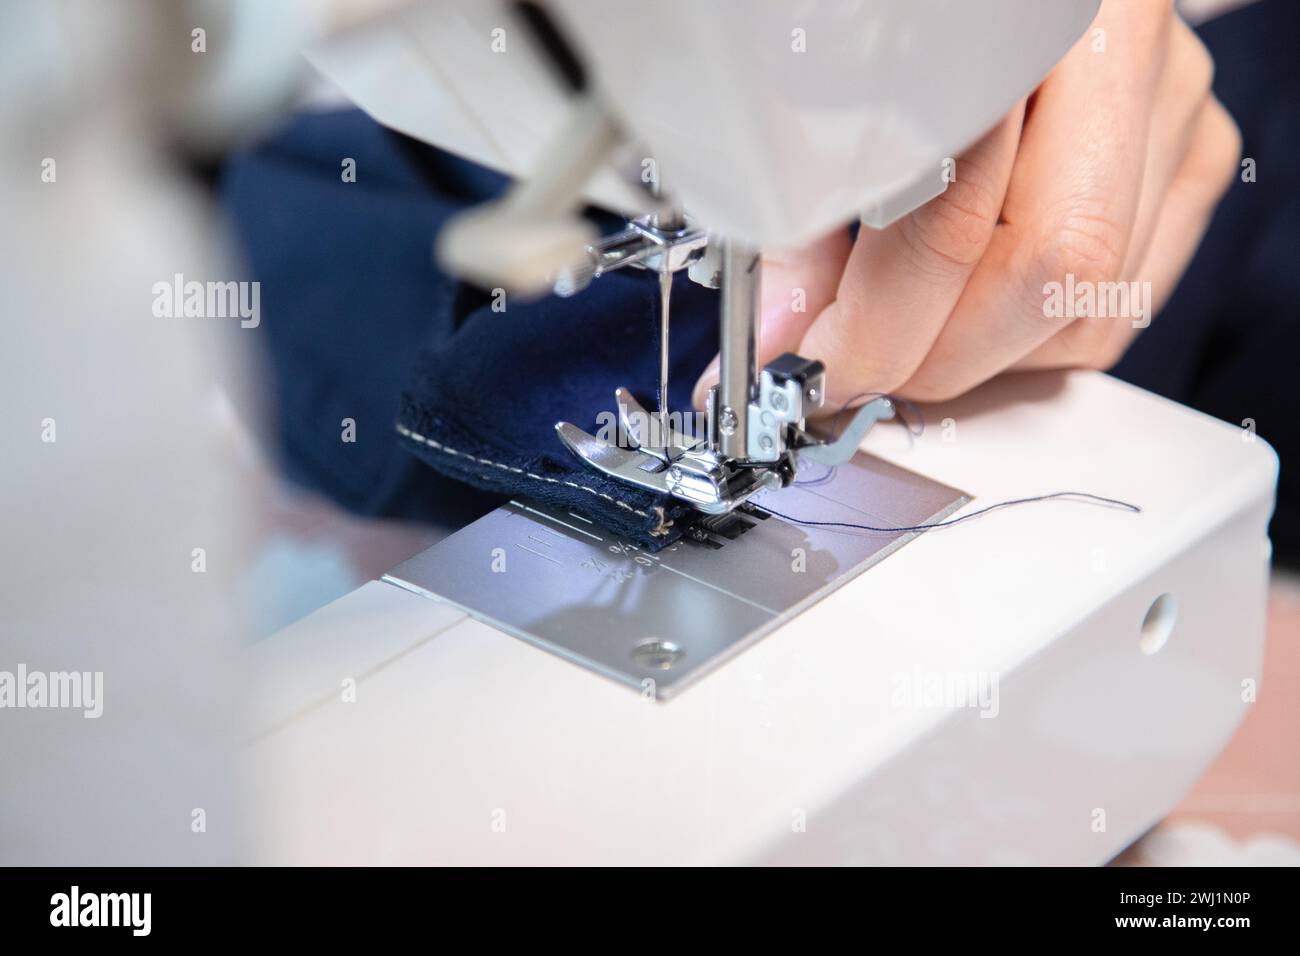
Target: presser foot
{"type": "Point", "coordinates": [652, 454]}
{"type": "Point", "coordinates": [664, 461]}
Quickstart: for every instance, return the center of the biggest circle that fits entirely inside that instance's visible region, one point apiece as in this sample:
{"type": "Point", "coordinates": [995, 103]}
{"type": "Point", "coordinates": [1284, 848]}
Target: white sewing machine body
{"type": "Point", "coordinates": [773, 122]}
{"type": "Point", "coordinates": [1041, 684]}
{"type": "Point", "coordinates": [821, 743]}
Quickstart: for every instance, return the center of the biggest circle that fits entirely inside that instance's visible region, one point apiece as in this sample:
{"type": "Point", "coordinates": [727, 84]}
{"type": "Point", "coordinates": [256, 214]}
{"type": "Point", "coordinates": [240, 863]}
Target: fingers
{"type": "Point", "coordinates": [1211, 166]}
{"type": "Point", "coordinates": [871, 314]}
{"type": "Point", "coordinates": [1193, 156]}
{"type": "Point", "coordinates": [1107, 181]}
{"type": "Point", "coordinates": [1072, 204]}
{"type": "Point", "coordinates": [1184, 90]}
{"type": "Point", "coordinates": [796, 287]}
{"type": "Point", "coordinates": [901, 283]}
{"type": "Point", "coordinates": [1208, 168]}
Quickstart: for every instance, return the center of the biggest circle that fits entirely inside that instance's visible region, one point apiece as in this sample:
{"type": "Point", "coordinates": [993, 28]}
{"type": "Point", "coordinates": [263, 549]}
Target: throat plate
{"type": "Point", "coordinates": [658, 621]}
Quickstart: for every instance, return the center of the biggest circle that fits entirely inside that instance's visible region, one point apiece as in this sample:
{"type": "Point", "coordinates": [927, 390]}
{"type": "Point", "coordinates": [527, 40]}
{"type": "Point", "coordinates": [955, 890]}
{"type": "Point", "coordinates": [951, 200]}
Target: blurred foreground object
{"type": "Point", "coordinates": [122, 531]}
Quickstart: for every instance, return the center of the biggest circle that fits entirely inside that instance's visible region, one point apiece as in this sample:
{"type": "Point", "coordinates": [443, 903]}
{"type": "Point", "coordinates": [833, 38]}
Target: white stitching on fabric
{"type": "Point", "coordinates": [438, 446]}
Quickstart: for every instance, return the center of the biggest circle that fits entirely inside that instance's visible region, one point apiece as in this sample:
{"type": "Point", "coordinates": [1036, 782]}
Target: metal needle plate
{"type": "Point", "coordinates": [555, 579]}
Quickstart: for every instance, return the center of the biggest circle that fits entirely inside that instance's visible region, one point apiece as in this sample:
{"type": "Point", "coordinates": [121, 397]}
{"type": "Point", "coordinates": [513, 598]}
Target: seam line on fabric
{"type": "Point", "coordinates": [446, 449]}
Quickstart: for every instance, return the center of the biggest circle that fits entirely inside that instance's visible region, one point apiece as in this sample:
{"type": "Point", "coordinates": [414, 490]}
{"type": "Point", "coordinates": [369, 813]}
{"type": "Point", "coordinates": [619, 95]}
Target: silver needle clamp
{"type": "Point", "coordinates": [756, 419]}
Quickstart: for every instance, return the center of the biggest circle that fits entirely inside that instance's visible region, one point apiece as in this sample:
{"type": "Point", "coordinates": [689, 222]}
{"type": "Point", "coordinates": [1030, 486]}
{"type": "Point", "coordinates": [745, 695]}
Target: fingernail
{"type": "Point", "coordinates": [710, 378]}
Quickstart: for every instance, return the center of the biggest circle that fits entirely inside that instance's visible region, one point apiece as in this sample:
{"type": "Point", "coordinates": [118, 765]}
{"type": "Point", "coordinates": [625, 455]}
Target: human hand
{"type": "Point", "coordinates": [1109, 173]}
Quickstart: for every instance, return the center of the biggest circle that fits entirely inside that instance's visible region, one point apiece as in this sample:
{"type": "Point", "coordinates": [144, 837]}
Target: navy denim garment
{"type": "Point", "coordinates": [484, 402]}
{"type": "Point", "coordinates": [360, 324]}
{"type": "Point", "coordinates": [348, 294]}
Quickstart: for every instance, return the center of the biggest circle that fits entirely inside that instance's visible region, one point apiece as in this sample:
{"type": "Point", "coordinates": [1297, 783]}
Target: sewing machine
{"type": "Point", "coordinates": [1037, 687]}
{"type": "Point", "coordinates": [787, 123]}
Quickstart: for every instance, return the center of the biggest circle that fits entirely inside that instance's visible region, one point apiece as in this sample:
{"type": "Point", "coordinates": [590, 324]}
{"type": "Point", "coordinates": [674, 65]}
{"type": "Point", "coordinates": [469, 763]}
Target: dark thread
{"type": "Point", "coordinates": [819, 480]}
{"type": "Point", "coordinates": [1081, 495]}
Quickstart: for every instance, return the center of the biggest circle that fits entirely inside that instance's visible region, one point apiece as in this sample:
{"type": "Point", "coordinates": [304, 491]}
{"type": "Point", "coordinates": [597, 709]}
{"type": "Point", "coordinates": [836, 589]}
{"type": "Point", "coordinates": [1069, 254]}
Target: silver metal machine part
{"type": "Point", "coordinates": [659, 621]}
{"type": "Point", "coordinates": [755, 420]}
{"type": "Point", "coordinates": [755, 424]}
{"type": "Point", "coordinates": [742, 273]}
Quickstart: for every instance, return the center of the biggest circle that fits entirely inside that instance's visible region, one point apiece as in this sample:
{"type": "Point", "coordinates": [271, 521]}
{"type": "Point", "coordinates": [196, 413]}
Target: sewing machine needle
{"type": "Point", "coordinates": [665, 293]}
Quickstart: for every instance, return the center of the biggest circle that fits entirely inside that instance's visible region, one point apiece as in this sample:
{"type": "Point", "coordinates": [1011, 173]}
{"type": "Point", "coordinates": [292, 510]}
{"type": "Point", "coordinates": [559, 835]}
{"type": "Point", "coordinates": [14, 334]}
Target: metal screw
{"type": "Point", "coordinates": [765, 443]}
{"type": "Point", "coordinates": [728, 421]}
{"type": "Point", "coordinates": [657, 655]}
{"type": "Point", "coordinates": [778, 401]}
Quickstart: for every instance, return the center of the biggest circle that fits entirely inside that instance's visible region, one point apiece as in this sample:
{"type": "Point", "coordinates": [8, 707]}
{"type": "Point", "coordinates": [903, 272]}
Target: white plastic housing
{"type": "Point", "coordinates": [465, 745]}
{"type": "Point", "coordinates": [772, 121]}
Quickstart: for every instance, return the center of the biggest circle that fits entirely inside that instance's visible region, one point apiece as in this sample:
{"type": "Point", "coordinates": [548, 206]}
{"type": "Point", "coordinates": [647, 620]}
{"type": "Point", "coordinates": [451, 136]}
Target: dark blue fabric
{"type": "Point", "coordinates": [349, 293]}
{"type": "Point", "coordinates": [360, 324]}
{"type": "Point", "coordinates": [484, 402]}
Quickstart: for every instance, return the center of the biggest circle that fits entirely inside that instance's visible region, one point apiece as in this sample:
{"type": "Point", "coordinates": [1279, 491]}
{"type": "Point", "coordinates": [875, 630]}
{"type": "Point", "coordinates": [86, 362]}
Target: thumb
{"type": "Point", "coordinates": [796, 287]}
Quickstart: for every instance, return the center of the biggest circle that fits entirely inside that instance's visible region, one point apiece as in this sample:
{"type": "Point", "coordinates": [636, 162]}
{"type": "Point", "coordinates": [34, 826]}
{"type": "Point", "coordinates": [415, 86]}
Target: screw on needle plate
{"type": "Point", "coordinates": [656, 655]}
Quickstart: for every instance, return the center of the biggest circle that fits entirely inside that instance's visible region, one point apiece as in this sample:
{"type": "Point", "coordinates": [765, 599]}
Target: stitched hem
{"type": "Point", "coordinates": [660, 530]}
